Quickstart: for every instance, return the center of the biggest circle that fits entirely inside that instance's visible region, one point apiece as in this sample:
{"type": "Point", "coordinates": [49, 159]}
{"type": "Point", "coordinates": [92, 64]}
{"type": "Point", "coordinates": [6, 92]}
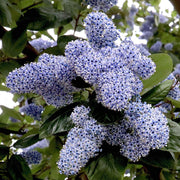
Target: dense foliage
{"type": "Point", "coordinates": [96, 108]}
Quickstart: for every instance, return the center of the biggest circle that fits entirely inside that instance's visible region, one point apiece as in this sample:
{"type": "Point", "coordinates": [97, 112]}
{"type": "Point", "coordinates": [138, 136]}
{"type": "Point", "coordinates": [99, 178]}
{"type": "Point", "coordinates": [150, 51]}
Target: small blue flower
{"type": "Point", "coordinates": [168, 46]}
{"type": "Point", "coordinates": [102, 5]}
{"type": "Point", "coordinates": [41, 44]}
{"type": "Point", "coordinates": [156, 47]}
{"type": "Point", "coordinates": [32, 110]}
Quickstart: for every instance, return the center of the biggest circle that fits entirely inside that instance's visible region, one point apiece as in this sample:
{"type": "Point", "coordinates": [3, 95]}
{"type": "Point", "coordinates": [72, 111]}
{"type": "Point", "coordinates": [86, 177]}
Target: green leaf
{"type": "Point", "coordinates": [18, 168]}
{"type": "Point", "coordinates": [72, 7]}
{"type": "Point", "coordinates": [163, 69]}
{"type": "Point", "coordinates": [80, 83]}
{"type": "Point", "coordinates": [158, 93]}
{"type": "Point", "coordinates": [167, 176]}
{"type": "Point", "coordinates": [4, 151]}
{"type": "Point", "coordinates": [174, 139]}
{"type": "Point", "coordinates": [63, 40]}
{"type": "Point", "coordinates": [104, 115]}
{"type": "Point", "coordinates": [173, 102]}
{"type": "Point", "coordinates": [160, 159]}
{"type": "Point", "coordinates": [107, 166]}
{"type": "Point", "coordinates": [59, 122]}
{"type": "Point", "coordinates": [5, 18]}
{"type": "Point", "coordinates": [6, 67]}
{"type": "Point", "coordinates": [3, 88]}
{"type": "Point", "coordinates": [27, 141]}
{"type": "Point", "coordinates": [43, 18]}
{"type": "Point", "coordinates": [14, 41]}
{"type": "Point", "coordinates": [12, 113]}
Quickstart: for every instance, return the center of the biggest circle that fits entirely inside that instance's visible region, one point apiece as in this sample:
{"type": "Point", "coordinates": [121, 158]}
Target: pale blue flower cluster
{"type": "Point", "coordinates": [143, 128]}
{"type": "Point", "coordinates": [41, 44]}
{"type": "Point", "coordinates": [102, 5]}
{"type": "Point", "coordinates": [168, 46]}
{"type": "Point", "coordinates": [50, 77]}
{"type": "Point", "coordinates": [32, 110]}
{"type": "Point", "coordinates": [100, 30]}
{"type": "Point", "coordinates": [83, 142]}
{"type": "Point", "coordinates": [31, 155]}
{"type": "Point", "coordinates": [156, 47]}
{"type": "Point", "coordinates": [149, 27]}
{"type": "Point", "coordinates": [130, 18]}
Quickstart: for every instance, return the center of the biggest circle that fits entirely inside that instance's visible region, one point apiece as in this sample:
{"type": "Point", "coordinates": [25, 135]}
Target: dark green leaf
{"type": "Point", "coordinates": [80, 83]}
{"type": "Point", "coordinates": [63, 40]}
{"type": "Point", "coordinates": [27, 141]}
{"type": "Point", "coordinates": [6, 67]}
{"type": "Point", "coordinates": [18, 168]}
{"type": "Point", "coordinates": [174, 139]}
{"type": "Point", "coordinates": [59, 122]}
{"type": "Point", "coordinates": [4, 151]}
{"type": "Point", "coordinates": [44, 18]}
{"type": "Point", "coordinates": [160, 159]}
{"type": "Point", "coordinates": [104, 115]}
{"type": "Point", "coordinates": [5, 15]}
{"type": "Point", "coordinates": [73, 7]}
{"type": "Point", "coordinates": [107, 166]}
{"type": "Point", "coordinates": [163, 69]}
{"type": "Point", "coordinates": [158, 93]}
{"type": "Point", "coordinates": [14, 41]}
{"type": "Point", "coordinates": [165, 175]}
{"type": "Point", "coordinates": [12, 113]}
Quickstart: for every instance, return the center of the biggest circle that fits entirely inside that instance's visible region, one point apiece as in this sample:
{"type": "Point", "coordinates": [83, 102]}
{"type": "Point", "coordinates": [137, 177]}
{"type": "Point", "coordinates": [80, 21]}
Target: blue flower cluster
{"type": "Point", "coordinates": [143, 128]}
{"type": "Point", "coordinates": [114, 72]}
{"type": "Point", "coordinates": [83, 142]}
{"type": "Point", "coordinates": [32, 110]}
{"type": "Point", "coordinates": [156, 47]}
{"type": "Point", "coordinates": [41, 44]}
{"type": "Point", "coordinates": [50, 77]}
{"type": "Point", "coordinates": [132, 13]}
{"type": "Point", "coordinates": [149, 27]}
{"type": "Point", "coordinates": [31, 155]}
{"type": "Point", "coordinates": [100, 30]}
{"type": "Point", "coordinates": [102, 5]}
{"type": "Point", "coordinates": [168, 46]}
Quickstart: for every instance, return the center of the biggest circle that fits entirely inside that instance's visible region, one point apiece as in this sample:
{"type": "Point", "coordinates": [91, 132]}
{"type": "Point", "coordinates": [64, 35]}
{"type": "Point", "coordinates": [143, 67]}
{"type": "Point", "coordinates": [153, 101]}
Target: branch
{"type": "Point", "coordinates": [176, 5]}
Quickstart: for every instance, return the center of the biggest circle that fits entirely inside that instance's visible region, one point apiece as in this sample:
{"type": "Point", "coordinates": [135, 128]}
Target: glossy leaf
{"type": "Point", "coordinates": [163, 69]}
{"type": "Point", "coordinates": [5, 15]}
{"type": "Point", "coordinates": [107, 166]}
{"type": "Point", "coordinates": [27, 141]}
{"type": "Point", "coordinates": [44, 18]}
{"type": "Point", "coordinates": [104, 115]}
{"type": "Point", "coordinates": [6, 67]}
{"type": "Point", "coordinates": [14, 41]}
{"type": "Point", "coordinates": [174, 139]}
{"type": "Point", "coordinates": [18, 168]}
{"type": "Point", "coordinates": [4, 151]}
{"type": "Point", "coordinates": [160, 159]}
{"type": "Point", "coordinates": [158, 93]}
{"type": "Point", "coordinates": [12, 113]}
{"type": "Point", "coordinates": [59, 122]}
